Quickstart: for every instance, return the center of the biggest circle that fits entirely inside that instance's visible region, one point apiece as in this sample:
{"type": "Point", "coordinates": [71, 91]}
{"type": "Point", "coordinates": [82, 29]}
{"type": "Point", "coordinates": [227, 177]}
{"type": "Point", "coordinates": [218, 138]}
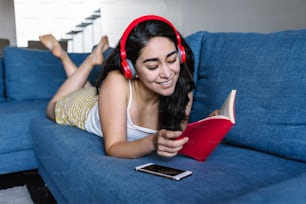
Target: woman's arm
{"type": "Point", "coordinates": [163, 142]}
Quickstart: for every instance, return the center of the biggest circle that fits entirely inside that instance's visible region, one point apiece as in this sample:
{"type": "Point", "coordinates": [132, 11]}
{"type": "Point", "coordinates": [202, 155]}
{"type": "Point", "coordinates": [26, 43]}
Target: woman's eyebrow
{"type": "Point", "coordinates": [156, 59]}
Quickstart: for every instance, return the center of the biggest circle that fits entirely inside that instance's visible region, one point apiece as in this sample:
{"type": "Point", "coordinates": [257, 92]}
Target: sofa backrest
{"type": "Point", "coordinates": [2, 94]}
{"type": "Point", "coordinates": [269, 73]}
{"type": "Point", "coordinates": [33, 74]}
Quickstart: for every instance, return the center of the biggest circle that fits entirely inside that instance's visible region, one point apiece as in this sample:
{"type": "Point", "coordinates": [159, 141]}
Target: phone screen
{"type": "Point", "coordinates": [168, 172]}
{"type": "Point", "coordinates": [164, 170]}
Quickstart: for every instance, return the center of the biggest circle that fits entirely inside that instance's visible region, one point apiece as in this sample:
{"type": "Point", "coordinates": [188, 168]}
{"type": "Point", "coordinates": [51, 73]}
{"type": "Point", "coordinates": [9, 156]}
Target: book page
{"type": "Point", "coordinates": [228, 107]}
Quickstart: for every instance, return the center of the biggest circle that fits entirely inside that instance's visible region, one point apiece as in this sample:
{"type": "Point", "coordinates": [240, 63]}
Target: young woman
{"type": "Point", "coordinates": [143, 95]}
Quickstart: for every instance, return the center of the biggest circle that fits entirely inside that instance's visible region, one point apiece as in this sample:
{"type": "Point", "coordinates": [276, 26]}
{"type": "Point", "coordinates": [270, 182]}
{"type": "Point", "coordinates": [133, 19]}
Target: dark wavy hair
{"type": "Point", "coordinates": [171, 108]}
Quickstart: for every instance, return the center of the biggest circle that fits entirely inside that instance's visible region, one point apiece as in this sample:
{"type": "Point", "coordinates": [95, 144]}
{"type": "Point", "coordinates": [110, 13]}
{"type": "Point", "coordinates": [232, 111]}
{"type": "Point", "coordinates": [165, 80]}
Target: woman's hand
{"type": "Point", "coordinates": [214, 113]}
{"type": "Point", "coordinates": [166, 144]}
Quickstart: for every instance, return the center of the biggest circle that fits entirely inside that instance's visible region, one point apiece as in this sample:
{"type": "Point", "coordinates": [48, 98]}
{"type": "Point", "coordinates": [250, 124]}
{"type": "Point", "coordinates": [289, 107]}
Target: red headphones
{"type": "Point", "coordinates": [126, 64]}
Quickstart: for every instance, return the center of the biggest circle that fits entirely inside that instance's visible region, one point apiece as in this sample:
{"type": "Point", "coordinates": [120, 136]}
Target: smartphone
{"type": "Point", "coordinates": [167, 172]}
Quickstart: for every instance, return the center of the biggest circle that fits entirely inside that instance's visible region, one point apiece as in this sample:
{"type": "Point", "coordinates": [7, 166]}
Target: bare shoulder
{"type": "Point", "coordinates": [114, 82]}
{"type": "Point", "coordinates": [115, 78]}
{"type": "Point", "coordinates": [115, 75]}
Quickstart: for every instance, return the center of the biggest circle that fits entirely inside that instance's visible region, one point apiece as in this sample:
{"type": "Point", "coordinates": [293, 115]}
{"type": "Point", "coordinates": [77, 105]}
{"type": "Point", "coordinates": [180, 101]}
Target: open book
{"type": "Point", "coordinates": [204, 135]}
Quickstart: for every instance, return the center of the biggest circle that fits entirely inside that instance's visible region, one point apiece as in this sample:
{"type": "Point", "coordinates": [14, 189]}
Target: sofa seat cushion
{"type": "Point", "coordinates": [288, 191]}
{"type": "Point", "coordinates": [86, 175]}
{"type": "Point", "coordinates": [34, 74]}
{"type": "Point", "coordinates": [17, 161]}
{"type": "Point", "coordinates": [15, 134]}
{"type": "Point", "coordinates": [268, 71]}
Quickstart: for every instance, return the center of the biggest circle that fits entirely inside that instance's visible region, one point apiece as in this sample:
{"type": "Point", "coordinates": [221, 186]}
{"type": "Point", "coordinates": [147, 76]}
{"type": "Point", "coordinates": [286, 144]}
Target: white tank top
{"type": "Point", "coordinates": [134, 132]}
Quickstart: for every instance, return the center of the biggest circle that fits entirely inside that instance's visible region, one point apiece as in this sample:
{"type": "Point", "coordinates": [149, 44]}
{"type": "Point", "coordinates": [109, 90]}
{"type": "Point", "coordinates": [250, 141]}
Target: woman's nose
{"type": "Point", "coordinates": [165, 71]}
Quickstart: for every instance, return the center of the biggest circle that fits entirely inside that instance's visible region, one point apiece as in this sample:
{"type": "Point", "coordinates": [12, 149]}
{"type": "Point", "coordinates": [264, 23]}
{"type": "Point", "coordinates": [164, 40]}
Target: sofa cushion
{"type": "Point", "coordinates": [2, 85]}
{"type": "Point", "coordinates": [288, 191]}
{"type": "Point", "coordinates": [86, 175]}
{"type": "Point", "coordinates": [15, 131]}
{"type": "Point", "coordinates": [34, 74]}
{"type": "Point", "coordinates": [16, 151]}
{"type": "Point", "coordinates": [17, 161]}
{"type": "Point", "coordinates": [268, 71]}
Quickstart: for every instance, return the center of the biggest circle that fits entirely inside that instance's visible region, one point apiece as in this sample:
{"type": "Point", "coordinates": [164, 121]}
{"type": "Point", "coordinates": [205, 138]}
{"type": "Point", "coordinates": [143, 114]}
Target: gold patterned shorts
{"type": "Point", "coordinates": [73, 108]}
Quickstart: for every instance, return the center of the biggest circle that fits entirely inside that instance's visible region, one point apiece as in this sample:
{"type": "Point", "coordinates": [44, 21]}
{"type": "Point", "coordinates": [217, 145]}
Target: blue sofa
{"type": "Point", "coordinates": [261, 160]}
{"type": "Point", "coordinates": [28, 78]}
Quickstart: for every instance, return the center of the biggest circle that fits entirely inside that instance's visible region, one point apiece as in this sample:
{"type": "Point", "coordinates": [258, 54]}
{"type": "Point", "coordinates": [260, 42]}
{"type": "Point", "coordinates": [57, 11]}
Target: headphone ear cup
{"type": "Point", "coordinates": [132, 68]}
{"type": "Point", "coordinates": [181, 53]}
{"type": "Point", "coordinates": [128, 69]}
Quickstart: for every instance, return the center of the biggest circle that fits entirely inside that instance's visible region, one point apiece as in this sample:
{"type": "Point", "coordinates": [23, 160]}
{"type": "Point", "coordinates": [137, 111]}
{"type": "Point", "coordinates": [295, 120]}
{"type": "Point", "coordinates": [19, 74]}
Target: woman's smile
{"type": "Point", "coordinates": [158, 66]}
{"type": "Point", "coordinates": [166, 84]}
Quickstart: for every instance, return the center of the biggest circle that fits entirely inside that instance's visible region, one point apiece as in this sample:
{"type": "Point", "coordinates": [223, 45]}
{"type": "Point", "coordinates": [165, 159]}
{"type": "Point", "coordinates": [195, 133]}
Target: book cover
{"type": "Point", "coordinates": [205, 135]}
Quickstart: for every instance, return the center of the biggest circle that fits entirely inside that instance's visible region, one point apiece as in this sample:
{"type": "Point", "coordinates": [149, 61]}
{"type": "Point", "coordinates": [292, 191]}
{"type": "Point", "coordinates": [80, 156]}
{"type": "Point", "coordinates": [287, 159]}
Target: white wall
{"type": "Point", "coordinates": [116, 15]}
{"type": "Point", "coordinates": [37, 17]}
{"type": "Point", "coordinates": [212, 15]}
{"type": "Point", "coordinates": [7, 21]}
{"type": "Point", "coordinates": [246, 15]}
{"type": "Point", "coordinates": [58, 17]}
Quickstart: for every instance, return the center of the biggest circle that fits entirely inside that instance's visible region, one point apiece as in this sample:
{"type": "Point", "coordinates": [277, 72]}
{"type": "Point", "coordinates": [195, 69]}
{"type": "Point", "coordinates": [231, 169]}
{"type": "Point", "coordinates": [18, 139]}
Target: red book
{"type": "Point", "coordinates": [205, 135]}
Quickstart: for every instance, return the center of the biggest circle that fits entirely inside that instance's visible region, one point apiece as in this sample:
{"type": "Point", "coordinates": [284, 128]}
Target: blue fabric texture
{"type": "Point", "coordinates": [288, 191]}
{"type": "Point", "coordinates": [76, 166]}
{"type": "Point", "coordinates": [268, 71]}
{"type": "Point", "coordinates": [17, 161]}
{"type": "Point", "coordinates": [15, 134]}
{"type": "Point", "coordinates": [34, 74]}
{"type": "Point", "coordinates": [195, 42]}
{"type": "Point", "coordinates": [16, 150]}
{"type": "Point", "coordinates": [2, 85]}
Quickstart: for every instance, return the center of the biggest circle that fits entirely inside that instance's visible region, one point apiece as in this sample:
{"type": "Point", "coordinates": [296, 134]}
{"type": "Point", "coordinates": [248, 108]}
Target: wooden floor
{"type": "Point", "coordinates": [39, 192]}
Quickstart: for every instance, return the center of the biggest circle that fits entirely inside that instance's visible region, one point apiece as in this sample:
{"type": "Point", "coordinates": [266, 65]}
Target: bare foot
{"type": "Point", "coordinates": [96, 55]}
{"type": "Point", "coordinates": [53, 45]}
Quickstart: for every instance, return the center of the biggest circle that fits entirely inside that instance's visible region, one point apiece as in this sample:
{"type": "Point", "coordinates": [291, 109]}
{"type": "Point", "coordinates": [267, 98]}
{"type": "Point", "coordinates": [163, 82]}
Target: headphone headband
{"type": "Point", "coordinates": [125, 63]}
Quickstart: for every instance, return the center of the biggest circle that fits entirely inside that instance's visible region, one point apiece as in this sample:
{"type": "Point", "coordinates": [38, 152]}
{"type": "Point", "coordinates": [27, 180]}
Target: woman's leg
{"type": "Point", "coordinates": [53, 45]}
{"type": "Point", "coordinates": [78, 76]}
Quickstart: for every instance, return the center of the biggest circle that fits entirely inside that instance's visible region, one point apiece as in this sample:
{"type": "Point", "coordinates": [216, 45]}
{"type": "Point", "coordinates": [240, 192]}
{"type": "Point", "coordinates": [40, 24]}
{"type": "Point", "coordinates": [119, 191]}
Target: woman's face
{"type": "Point", "coordinates": [158, 66]}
